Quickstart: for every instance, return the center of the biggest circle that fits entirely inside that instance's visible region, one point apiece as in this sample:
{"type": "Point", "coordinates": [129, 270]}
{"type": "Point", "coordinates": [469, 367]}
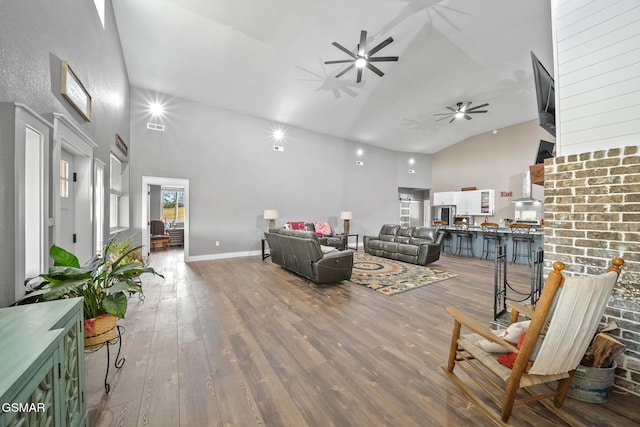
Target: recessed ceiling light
{"type": "Point", "coordinates": [156, 109]}
{"type": "Point", "coordinates": [278, 134]}
{"type": "Point", "coordinates": [359, 152]}
{"type": "Point", "coordinates": [411, 161]}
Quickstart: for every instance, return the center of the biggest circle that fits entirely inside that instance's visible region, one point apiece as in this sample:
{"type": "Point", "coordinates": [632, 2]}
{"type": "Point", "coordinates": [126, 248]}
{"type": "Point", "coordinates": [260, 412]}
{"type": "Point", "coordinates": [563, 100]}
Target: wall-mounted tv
{"type": "Point", "coordinates": [545, 151]}
{"type": "Point", "coordinates": [545, 93]}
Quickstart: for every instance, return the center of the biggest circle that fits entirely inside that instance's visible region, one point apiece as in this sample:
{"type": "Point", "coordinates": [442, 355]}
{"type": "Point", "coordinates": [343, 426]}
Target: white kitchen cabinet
{"type": "Point", "coordinates": [476, 202]}
{"type": "Point", "coordinates": [445, 198]}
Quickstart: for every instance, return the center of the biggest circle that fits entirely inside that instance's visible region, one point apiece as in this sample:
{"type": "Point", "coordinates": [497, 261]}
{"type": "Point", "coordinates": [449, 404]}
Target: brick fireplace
{"type": "Point", "coordinates": [592, 214]}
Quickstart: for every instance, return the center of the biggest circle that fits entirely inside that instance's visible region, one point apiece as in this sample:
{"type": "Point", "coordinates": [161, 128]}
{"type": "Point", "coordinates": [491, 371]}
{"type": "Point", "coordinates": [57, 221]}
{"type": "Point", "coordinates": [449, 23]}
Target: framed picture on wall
{"type": "Point", "coordinates": [74, 91]}
{"type": "Point", "coordinates": [121, 145]}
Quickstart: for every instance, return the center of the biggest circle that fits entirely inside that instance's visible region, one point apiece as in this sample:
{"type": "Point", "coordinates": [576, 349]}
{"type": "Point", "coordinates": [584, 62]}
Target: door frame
{"type": "Point", "coordinates": [68, 136]}
{"type": "Point", "coordinates": [171, 182]}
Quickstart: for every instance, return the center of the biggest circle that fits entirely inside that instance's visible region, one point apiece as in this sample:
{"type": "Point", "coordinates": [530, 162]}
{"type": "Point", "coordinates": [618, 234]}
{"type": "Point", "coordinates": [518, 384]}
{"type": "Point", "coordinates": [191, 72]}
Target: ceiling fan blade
{"type": "Point", "coordinates": [453, 119]}
{"type": "Point", "coordinates": [443, 118]}
{"type": "Point", "coordinates": [481, 111]}
{"type": "Point", "coordinates": [345, 70]}
{"type": "Point", "coordinates": [341, 61]}
{"type": "Point", "coordinates": [464, 108]}
{"type": "Point", "coordinates": [380, 46]}
{"type": "Point", "coordinates": [363, 43]}
{"type": "Point", "coordinates": [375, 69]}
{"type": "Point", "coordinates": [344, 49]}
{"type": "Point", "coordinates": [452, 109]}
{"type": "Point", "coordinates": [359, 78]}
{"type": "Point", "coordinates": [476, 107]}
{"type": "Point", "coordinates": [383, 58]}
{"type": "Point", "coordinates": [466, 116]}
{"type": "Point", "coordinates": [443, 114]}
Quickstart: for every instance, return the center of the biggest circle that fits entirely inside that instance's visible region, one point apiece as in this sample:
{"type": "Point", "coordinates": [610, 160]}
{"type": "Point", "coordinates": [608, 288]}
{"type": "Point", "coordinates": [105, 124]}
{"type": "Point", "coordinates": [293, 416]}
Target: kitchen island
{"type": "Point", "coordinates": [506, 239]}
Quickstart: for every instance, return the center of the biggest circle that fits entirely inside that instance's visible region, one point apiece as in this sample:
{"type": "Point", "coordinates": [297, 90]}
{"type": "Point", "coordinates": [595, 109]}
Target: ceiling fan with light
{"type": "Point", "coordinates": [363, 58]}
{"type": "Point", "coordinates": [463, 110]}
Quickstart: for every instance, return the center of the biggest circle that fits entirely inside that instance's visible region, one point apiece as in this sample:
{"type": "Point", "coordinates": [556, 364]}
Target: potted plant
{"type": "Point", "coordinates": [105, 282]}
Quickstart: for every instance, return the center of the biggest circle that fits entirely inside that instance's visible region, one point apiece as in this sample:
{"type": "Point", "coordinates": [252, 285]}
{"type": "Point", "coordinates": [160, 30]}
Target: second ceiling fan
{"type": "Point", "coordinates": [463, 110]}
{"type": "Point", "coordinates": [363, 58]}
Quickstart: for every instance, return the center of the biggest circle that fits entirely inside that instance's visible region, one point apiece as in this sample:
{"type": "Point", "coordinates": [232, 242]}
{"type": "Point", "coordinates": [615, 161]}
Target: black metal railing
{"type": "Point", "coordinates": [503, 291]}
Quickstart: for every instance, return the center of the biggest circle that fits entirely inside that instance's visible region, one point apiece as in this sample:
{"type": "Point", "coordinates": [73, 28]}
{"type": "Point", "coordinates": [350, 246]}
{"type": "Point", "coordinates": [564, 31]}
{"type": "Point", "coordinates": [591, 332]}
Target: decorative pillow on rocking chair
{"type": "Point", "coordinates": [511, 334]}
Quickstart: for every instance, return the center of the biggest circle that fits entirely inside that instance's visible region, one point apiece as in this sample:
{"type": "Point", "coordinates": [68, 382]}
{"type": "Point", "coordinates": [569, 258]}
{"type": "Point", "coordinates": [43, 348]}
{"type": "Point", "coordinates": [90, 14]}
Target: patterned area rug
{"type": "Point", "coordinates": [393, 277]}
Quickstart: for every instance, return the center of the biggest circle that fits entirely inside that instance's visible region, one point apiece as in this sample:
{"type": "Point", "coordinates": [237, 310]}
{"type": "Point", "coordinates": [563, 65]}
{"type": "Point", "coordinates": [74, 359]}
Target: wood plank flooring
{"type": "Point", "coordinates": [242, 342]}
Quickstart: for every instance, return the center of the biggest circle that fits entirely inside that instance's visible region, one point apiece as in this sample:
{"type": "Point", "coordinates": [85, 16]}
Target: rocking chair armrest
{"type": "Point", "coordinates": [476, 327]}
{"type": "Point", "coordinates": [525, 310]}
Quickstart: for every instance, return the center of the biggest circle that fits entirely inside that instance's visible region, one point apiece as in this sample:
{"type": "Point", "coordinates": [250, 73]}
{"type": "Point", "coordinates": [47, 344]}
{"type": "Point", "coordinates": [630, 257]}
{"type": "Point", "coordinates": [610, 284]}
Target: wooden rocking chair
{"type": "Point", "coordinates": [563, 323]}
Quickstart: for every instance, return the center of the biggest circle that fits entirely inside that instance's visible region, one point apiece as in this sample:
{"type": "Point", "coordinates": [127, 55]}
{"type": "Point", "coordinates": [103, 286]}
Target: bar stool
{"type": "Point", "coordinates": [463, 233]}
{"type": "Point", "coordinates": [521, 234]}
{"type": "Point", "coordinates": [490, 234]}
{"type": "Point", "coordinates": [446, 239]}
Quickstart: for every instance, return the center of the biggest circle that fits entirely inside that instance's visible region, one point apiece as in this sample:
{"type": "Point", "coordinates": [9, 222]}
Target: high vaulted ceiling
{"type": "Point", "coordinates": [266, 58]}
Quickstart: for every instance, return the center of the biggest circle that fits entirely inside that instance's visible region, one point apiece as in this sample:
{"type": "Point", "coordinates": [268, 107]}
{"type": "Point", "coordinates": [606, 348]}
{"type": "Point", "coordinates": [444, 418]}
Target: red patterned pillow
{"type": "Point", "coordinates": [298, 225]}
{"type": "Point", "coordinates": [322, 228]}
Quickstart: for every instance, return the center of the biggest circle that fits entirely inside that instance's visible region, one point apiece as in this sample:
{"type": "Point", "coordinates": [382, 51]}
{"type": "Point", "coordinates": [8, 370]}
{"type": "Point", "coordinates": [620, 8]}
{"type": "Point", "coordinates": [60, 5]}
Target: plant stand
{"type": "Point", "coordinates": [119, 361]}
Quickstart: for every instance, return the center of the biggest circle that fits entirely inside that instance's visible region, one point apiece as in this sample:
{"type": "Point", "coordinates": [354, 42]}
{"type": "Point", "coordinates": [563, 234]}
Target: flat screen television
{"type": "Point", "coordinates": [545, 93]}
{"type": "Point", "coordinates": [545, 151]}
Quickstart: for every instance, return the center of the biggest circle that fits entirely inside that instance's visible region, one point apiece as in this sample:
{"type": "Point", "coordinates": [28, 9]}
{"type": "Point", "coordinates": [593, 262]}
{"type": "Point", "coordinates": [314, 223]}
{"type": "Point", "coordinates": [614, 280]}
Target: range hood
{"type": "Point", "coordinates": [525, 195]}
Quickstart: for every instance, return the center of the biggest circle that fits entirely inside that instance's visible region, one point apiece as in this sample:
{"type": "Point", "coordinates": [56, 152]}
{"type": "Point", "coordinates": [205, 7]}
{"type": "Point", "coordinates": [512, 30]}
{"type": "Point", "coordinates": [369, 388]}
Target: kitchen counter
{"type": "Point", "coordinates": [505, 233]}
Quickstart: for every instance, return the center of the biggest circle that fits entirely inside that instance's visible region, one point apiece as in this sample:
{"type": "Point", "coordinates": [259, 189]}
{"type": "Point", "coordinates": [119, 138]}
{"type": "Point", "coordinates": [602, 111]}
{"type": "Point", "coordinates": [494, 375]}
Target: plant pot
{"type": "Point", "coordinates": [99, 330]}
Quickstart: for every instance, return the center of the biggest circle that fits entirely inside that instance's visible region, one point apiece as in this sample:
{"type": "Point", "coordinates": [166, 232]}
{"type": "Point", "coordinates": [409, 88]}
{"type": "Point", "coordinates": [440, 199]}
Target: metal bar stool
{"type": "Point", "coordinates": [521, 235]}
{"type": "Point", "coordinates": [463, 234]}
{"type": "Point", "coordinates": [446, 239]}
{"type": "Point", "coordinates": [490, 234]}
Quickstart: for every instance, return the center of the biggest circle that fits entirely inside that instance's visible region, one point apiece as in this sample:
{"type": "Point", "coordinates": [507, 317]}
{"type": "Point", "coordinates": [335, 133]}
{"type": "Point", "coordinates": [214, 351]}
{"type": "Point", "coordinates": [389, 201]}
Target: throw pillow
{"type": "Point", "coordinates": [509, 360]}
{"type": "Point", "coordinates": [322, 228]}
{"type": "Point", "coordinates": [299, 225]}
{"type": "Point", "coordinates": [511, 334]}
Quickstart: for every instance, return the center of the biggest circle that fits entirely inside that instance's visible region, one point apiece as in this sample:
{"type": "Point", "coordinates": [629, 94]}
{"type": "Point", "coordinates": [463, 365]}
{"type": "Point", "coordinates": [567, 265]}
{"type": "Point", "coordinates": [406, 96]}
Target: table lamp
{"type": "Point", "coordinates": [271, 215]}
{"type": "Point", "coordinates": [346, 216]}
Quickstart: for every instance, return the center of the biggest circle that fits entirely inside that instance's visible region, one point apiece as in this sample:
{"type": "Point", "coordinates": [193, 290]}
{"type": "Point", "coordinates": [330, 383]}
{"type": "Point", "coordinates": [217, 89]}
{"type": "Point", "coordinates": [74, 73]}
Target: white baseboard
{"type": "Point", "coordinates": [222, 256]}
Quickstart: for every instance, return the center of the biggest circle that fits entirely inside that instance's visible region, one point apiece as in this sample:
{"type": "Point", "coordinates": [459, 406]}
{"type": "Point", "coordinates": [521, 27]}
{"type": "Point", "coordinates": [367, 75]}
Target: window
{"type": "Point", "coordinates": [64, 178]}
{"type": "Point", "coordinates": [173, 204]}
{"type": "Point", "coordinates": [100, 8]}
{"type": "Point", "coordinates": [115, 188]}
{"type": "Point", "coordinates": [99, 205]}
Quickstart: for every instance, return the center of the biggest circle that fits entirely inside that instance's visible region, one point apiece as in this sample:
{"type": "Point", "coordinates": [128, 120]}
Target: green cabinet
{"type": "Point", "coordinates": [42, 369]}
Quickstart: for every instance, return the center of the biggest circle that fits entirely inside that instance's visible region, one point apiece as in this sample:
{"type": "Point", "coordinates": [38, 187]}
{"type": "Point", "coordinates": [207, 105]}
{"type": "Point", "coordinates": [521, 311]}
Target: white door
{"type": "Point", "coordinates": [67, 202]}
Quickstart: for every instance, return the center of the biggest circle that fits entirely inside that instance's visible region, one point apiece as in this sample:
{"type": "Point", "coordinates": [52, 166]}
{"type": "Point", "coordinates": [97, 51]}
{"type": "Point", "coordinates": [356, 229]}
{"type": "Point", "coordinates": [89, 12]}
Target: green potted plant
{"type": "Point", "coordinates": [105, 282]}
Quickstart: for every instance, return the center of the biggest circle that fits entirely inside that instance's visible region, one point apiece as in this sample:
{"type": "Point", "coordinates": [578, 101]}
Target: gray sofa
{"type": "Point", "coordinates": [417, 245]}
{"type": "Point", "coordinates": [301, 252]}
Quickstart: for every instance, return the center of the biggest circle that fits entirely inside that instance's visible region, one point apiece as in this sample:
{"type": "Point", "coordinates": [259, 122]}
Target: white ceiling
{"type": "Point", "coordinates": [265, 58]}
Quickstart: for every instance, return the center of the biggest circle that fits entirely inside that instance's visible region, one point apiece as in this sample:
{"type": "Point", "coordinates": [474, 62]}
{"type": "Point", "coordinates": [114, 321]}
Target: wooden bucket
{"type": "Point", "coordinates": [99, 330]}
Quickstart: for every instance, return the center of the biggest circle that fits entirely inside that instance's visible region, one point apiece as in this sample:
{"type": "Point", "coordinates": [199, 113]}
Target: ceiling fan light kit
{"type": "Point", "coordinates": [362, 58]}
{"type": "Point", "coordinates": [461, 111]}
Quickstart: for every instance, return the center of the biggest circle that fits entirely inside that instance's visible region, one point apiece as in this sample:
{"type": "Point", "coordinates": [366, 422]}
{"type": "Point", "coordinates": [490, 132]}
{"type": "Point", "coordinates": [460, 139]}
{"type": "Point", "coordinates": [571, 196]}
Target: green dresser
{"type": "Point", "coordinates": [42, 365]}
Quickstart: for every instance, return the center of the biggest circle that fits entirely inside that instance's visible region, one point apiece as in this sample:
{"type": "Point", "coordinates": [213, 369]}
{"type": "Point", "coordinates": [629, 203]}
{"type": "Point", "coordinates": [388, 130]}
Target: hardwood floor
{"type": "Point", "coordinates": [242, 342]}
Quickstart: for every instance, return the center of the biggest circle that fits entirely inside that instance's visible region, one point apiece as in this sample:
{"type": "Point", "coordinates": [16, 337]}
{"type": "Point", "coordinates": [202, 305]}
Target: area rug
{"type": "Point", "coordinates": [393, 277]}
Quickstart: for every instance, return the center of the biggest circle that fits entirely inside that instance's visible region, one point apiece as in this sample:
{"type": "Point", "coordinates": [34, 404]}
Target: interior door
{"type": "Point", "coordinates": [67, 202]}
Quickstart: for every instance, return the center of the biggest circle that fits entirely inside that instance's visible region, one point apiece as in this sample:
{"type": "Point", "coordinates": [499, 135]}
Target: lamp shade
{"type": "Point", "coordinates": [270, 214]}
{"type": "Point", "coordinates": [346, 215]}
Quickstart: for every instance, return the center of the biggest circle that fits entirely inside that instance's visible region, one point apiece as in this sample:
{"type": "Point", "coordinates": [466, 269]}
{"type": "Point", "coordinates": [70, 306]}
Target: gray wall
{"type": "Point", "coordinates": [35, 36]}
{"type": "Point", "coordinates": [235, 174]}
{"type": "Point", "coordinates": [491, 161]}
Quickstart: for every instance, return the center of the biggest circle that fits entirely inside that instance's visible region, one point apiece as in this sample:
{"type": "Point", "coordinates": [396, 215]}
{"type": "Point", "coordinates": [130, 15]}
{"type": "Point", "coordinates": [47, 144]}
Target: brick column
{"type": "Point", "coordinates": [592, 214]}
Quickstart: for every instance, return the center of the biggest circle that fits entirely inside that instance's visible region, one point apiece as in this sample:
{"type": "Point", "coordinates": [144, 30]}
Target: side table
{"type": "Point", "coordinates": [351, 235]}
{"type": "Point", "coordinates": [263, 244]}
